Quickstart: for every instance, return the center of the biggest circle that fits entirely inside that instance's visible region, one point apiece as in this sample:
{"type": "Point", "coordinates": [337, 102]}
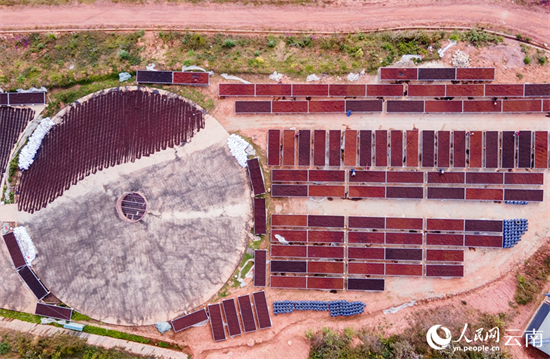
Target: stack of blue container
{"type": "Point", "coordinates": [336, 307]}
{"type": "Point", "coordinates": [315, 305]}
{"type": "Point", "coordinates": [513, 230]}
{"type": "Point", "coordinates": [283, 306]}
{"type": "Point", "coordinates": [344, 308]}
{"type": "Point", "coordinates": [516, 202]}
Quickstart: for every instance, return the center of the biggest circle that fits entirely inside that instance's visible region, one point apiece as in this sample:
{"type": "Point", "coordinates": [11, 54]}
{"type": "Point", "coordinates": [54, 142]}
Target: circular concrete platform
{"type": "Point", "coordinates": [174, 259]}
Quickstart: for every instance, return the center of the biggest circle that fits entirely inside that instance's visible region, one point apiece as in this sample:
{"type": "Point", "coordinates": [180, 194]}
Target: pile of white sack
{"type": "Point", "coordinates": [25, 244]}
{"type": "Point", "coordinates": [237, 146]}
{"type": "Point", "coordinates": [26, 157]}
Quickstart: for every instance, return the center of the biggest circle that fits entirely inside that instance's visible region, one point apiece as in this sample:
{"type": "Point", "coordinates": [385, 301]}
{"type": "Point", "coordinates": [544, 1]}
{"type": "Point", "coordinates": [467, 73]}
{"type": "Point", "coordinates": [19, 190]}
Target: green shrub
{"type": "Point", "coordinates": [229, 43]}
{"type": "Point", "coordinates": [164, 345]}
{"type": "Point", "coordinates": [4, 348]}
{"type": "Point", "coordinates": [453, 37]}
{"type": "Point", "coordinates": [526, 290]}
{"type": "Point", "coordinates": [519, 36]}
{"type": "Point", "coordinates": [542, 60]}
{"type": "Point", "coordinates": [123, 54]}
{"type": "Point", "coordinates": [271, 42]}
{"type": "Point", "coordinates": [527, 60]}
{"type": "Point", "coordinates": [115, 334]}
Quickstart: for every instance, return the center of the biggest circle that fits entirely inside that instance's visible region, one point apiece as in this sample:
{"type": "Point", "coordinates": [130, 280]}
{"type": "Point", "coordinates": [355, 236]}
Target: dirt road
{"type": "Point", "coordinates": [354, 16]}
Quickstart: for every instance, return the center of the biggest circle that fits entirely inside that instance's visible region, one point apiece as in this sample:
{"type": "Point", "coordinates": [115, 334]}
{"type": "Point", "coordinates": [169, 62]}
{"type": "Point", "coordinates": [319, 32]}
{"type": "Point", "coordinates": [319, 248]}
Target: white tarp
{"type": "Point", "coordinates": [124, 76]}
{"type": "Point", "coordinates": [26, 156]}
{"type": "Point", "coordinates": [312, 77]}
{"type": "Point", "coordinates": [353, 77]}
{"type": "Point", "coordinates": [163, 327]}
{"type": "Point", "coordinates": [281, 239]}
{"type": "Point", "coordinates": [237, 146]}
{"type": "Point", "coordinates": [393, 310]}
{"type": "Point", "coordinates": [150, 67]}
{"type": "Point", "coordinates": [32, 89]}
{"type": "Point", "coordinates": [276, 76]}
{"type": "Point", "coordinates": [231, 77]}
{"type": "Point", "coordinates": [25, 243]}
{"type": "Point", "coordinates": [193, 67]}
{"type": "Point", "coordinates": [442, 51]}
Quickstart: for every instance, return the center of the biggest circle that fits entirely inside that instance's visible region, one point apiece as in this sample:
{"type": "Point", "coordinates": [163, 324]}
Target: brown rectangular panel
{"type": "Point", "coordinates": [247, 316]}
{"type": "Point", "coordinates": [404, 269]}
{"type": "Point", "coordinates": [522, 106]}
{"type": "Point", "coordinates": [483, 241]}
{"type": "Point", "coordinates": [327, 106]}
{"type": "Point", "coordinates": [3, 99]}
{"type": "Point", "coordinates": [405, 192]}
{"type": "Point", "coordinates": [534, 195]}
{"type": "Point", "coordinates": [288, 282]}
{"type": "Point", "coordinates": [408, 106]}
{"type": "Point", "coordinates": [262, 310]}
{"type": "Point", "coordinates": [366, 237]}
{"type": "Point", "coordinates": [443, 148]}
{"type": "Point", "coordinates": [252, 107]}
{"type": "Point", "coordinates": [435, 239]}
{"type": "Point", "coordinates": [151, 77]}
{"type": "Point", "coordinates": [476, 149]}
{"type": "Point", "coordinates": [53, 311]}
{"type": "Point", "coordinates": [464, 91]}
{"type": "Point", "coordinates": [445, 255]}
{"type": "Point", "coordinates": [216, 322]}
{"type": "Point", "coordinates": [325, 267]}
{"type": "Point", "coordinates": [304, 147]}
{"type": "Point", "coordinates": [412, 148]}
{"type": "Point", "coordinates": [435, 74]}
{"type": "Point", "coordinates": [482, 106]}
{"type": "Point", "coordinates": [405, 254]}
{"type": "Point", "coordinates": [524, 149]}
{"type": "Point", "coordinates": [366, 192]}
{"type": "Point", "coordinates": [288, 190]}
{"type": "Point", "coordinates": [187, 321]}
{"type": "Point", "coordinates": [503, 90]}
{"type": "Point", "coordinates": [289, 139]}
{"type": "Point", "coordinates": [491, 149]}
{"type": "Point", "coordinates": [325, 221]}
{"type": "Point", "coordinates": [260, 216]}
{"type": "Point", "coordinates": [403, 223]}
{"type": "Point", "coordinates": [334, 151]}
{"type": "Point", "coordinates": [484, 194]}
{"type": "Point", "coordinates": [381, 143]}
{"type": "Point", "coordinates": [341, 90]}
{"type": "Point", "coordinates": [236, 90]}
{"type": "Point", "coordinates": [366, 268]}
{"type": "Point", "coordinates": [365, 148]}
{"type": "Point", "coordinates": [325, 237]}
{"type": "Point", "coordinates": [327, 176]}
{"type": "Point", "coordinates": [289, 175]}
{"type": "Point", "coordinates": [436, 224]}
{"type": "Point", "coordinates": [444, 271]}
{"type": "Point", "coordinates": [274, 148]}
{"type": "Point", "coordinates": [192, 78]}
{"type": "Point", "coordinates": [288, 267]}
{"type": "Point", "coordinates": [365, 253]}
{"type": "Point", "coordinates": [484, 177]}
{"type": "Point", "coordinates": [396, 73]}
{"type": "Point", "coordinates": [32, 281]}
{"type": "Point", "coordinates": [325, 252]}
{"type": "Point", "coordinates": [476, 73]}
{"type": "Point", "coordinates": [368, 176]}
{"type": "Point", "coordinates": [231, 317]}
{"type": "Point", "coordinates": [289, 235]}
{"type": "Point", "coordinates": [443, 106]}
{"type": "Point", "coordinates": [426, 91]}
{"type": "Point", "coordinates": [541, 149]}
{"type": "Point", "coordinates": [482, 225]}
{"type": "Point", "coordinates": [384, 90]}
{"type": "Point", "coordinates": [428, 143]}
{"type": "Point", "coordinates": [524, 178]}
{"type": "Point", "coordinates": [404, 238]}
{"type": "Point", "coordinates": [366, 284]}
{"type": "Point", "coordinates": [325, 283]}
{"type": "Point", "coordinates": [288, 220]}
{"type": "Point", "coordinates": [327, 191]}
{"type": "Point", "coordinates": [364, 105]}
{"type": "Point", "coordinates": [289, 107]}
{"type": "Point", "coordinates": [273, 90]}
{"type": "Point", "coordinates": [308, 90]}
{"type": "Point", "coordinates": [546, 106]}
{"type": "Point", "coordinates": [508, 153]}
{"type": "Point", "coordinates": [288, 251]}
{"type": "Point", "coordinates": [256, 176]}
{"type": "Point", "coordinates": [319, 147]}
{"type": "Point", "coordinates": [459, 149]}
{"type": "Point", "coordinates": [14, 250]}
{"type": "Point", "coordinates": [534, 90]}
{"type": "Point", "coordinates": [445, 193]}
{"type": "Point", "coordinates": [405, 177]}
{"type": "Point", "coordinates": [396, 148]}
{"type": "Point", "coordinates": [350, 148]}
{"type": "Point", "coordinates": [260, 267]}
{"type": "Point", "coordinates": [367, 222]}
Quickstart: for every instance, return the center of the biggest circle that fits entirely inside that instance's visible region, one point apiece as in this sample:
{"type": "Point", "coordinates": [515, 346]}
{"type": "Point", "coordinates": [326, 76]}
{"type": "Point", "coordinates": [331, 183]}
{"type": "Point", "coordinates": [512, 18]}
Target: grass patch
{"type": "Point", "coordinates": [26, 317]}
{"type": "Point", "coordinates": [115, 334]}
{"type": "Point", "coordinates": [533, 277]}
{"type": "Point", "coordinates": [80, 317]}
